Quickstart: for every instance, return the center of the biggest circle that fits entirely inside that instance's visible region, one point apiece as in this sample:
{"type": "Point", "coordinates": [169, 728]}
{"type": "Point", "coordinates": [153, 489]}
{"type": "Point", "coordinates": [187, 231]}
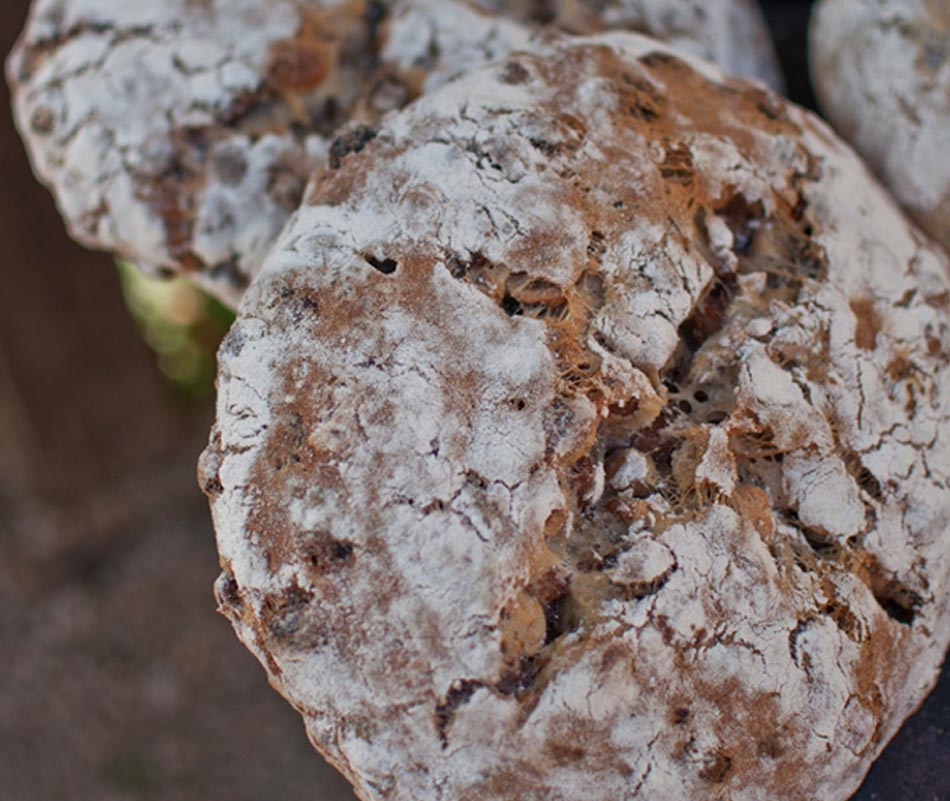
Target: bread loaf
{"type": "Point", "coordinates": [882, 74]}
{"type": "Point", "coordinates": [585, 437]}
{"type": "Point", "coordinates": [180, 134]}
{"type": "Point", "coordinates": [731, 33]}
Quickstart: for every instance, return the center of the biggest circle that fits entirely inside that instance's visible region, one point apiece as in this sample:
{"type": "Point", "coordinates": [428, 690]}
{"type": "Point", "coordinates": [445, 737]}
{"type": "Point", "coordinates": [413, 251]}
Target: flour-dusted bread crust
{"type": "Point", "coordinates": [585, 438]}
{"type": "Point", "coordinates": [881, 69]}
{"type": "Point", "coordinates": [731, 33]}
{"type": "Point", "coordinates": [180, 134]}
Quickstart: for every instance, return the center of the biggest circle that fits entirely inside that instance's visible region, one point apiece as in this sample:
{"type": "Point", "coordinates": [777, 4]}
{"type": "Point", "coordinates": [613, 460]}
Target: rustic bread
{"type": "Point", "coordinates": [180, 134]}
{"type": "Point", "coordinates": [881, 70]}
{"type": "Point", "coordinates": [731, 33]}
{"type": "Point", "coordinates": [585, 437]}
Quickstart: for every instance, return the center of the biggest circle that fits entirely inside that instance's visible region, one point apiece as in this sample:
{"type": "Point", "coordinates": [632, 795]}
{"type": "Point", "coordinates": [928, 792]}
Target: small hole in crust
{"type": "Point", "coordinates": [385, 266]}
{"type": "Point", "coordinates": [515, 73]}
{"type": "Point", "coordinates": [710, 314]}
{"type": "Point", "coordinates": [511, 306]}
{"type": "Point", "coordinates": [596, 246]}
{"type": "Point", "coordinates": [898, 601]}
{"type": "Point", "coordinates": [521, 677]}
{"type": "Point", "coordinates": [351, 141]}
{"type": "Point", "coordinates": [327, 555]}
{"type": "Point", "coordinates": [897, 612]}
{"type": "Point", "coordinates": [561, 617]}
{"type": "Point", "coordinates": [341, 550]}
{"type": "Point", "coordinates": [213, 486]}
{"type": "Point", "coordinates": [227, 591]}
{"type": "Point", "coordinates": [459, 694]}
{"type": "Point", "coordinates": [680, 716]}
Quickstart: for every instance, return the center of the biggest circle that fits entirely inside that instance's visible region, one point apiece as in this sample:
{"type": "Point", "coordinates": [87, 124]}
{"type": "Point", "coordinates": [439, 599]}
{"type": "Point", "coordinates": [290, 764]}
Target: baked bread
{"type": "Point", "coordinates": [731, 33]}
{"type": "Point", "coordinates": [180, 135]}
{"type": "Point", "coordinates": [881, 70]}
{"type": "Point", "coordinates": [584, 437]}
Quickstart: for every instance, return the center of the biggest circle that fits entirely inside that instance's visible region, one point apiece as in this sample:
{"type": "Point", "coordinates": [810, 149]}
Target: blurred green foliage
{"type": "Point", "coordinates": [181, 323]}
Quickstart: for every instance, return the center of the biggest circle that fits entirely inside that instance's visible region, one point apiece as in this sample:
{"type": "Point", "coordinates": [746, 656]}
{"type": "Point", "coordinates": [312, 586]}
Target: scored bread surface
{"type": "Point", "coordinates": [585, 438]}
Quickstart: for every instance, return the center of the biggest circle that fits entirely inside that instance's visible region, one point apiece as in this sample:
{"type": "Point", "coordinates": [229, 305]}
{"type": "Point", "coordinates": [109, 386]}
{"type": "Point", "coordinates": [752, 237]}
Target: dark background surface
{"type": "Point", "coordinates": [118, 682]}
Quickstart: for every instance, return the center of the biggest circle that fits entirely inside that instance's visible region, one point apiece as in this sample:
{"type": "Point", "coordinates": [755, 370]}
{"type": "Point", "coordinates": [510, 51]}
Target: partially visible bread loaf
{"type": "Point", "coordinates": [881, 69]}
{"type": "Point", "coordinates": [731, 33]}
{"type": "Point", "coordinates": [584, 438]}
{"type": "Point", "coordinates": [180, 134]}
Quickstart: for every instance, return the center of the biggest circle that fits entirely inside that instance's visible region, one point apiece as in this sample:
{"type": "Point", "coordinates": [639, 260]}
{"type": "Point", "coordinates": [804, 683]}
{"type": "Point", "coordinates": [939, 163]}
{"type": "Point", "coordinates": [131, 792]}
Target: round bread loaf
{"type": "Point", "coordinates": [881, 69]}
{"type": "Point", "coordinates": [180, 134]}
{"type": "Point", "coordinates": [585, 437]}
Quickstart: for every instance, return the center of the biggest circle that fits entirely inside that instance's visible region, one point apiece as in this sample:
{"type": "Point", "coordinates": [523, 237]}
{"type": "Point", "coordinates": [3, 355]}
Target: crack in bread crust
{"type": "Point", "coordinates": [581, 440]}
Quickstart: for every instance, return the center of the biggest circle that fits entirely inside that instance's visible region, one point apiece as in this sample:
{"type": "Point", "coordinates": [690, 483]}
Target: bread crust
{"type": "Point", "coordinates": [584, 438]}
{"type": "Point", "coordinates": [730, 33]}
{"type": "Point", "coordinates": [180, 135]}
{"type": "Point", "coordinates": [882, 74]}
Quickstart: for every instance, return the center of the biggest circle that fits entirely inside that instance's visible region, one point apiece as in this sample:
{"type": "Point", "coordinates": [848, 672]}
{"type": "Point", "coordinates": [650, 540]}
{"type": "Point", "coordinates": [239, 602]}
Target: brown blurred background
{"type": "Point", "coordinates": [118, 682]}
